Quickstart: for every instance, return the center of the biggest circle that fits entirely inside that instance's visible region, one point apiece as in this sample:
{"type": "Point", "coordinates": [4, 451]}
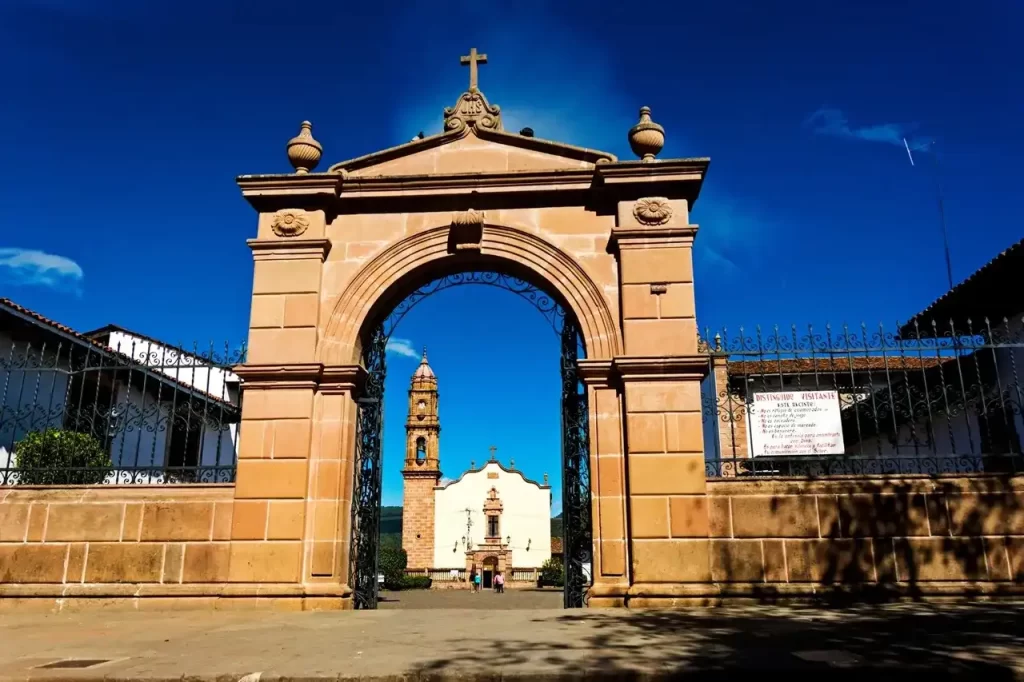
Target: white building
{"type": "Point", "coordinates": [492, 512]}
{"type": "Point", "coordinates": [163, 414]}
{"type": "Point", "coordinates": [491, 520]}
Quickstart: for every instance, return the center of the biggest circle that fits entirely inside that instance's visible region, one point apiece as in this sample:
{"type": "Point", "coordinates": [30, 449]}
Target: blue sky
{"type": "Point", "coordinates": [123, 125]}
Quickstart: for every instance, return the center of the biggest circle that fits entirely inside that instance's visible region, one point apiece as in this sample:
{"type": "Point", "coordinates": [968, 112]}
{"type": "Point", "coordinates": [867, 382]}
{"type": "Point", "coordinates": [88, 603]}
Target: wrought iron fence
{"type": "Point", "coordinates": [81, 412]}
{"type": "Point", "coordinates": [920, 399]}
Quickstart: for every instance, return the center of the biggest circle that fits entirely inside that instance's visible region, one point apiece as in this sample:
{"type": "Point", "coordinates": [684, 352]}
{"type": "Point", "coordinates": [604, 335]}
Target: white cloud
{"type": "Point", "coordinates": [834, 122]}
{"type": "Point", "coordinates": [38, 268]}
{"type": "Point", "coordinates": [402, 347]}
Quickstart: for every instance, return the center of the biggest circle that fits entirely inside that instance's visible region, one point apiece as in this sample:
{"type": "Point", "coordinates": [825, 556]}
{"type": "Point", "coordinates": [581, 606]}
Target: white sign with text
{"type": "Point", "coordinates": [795, 423]}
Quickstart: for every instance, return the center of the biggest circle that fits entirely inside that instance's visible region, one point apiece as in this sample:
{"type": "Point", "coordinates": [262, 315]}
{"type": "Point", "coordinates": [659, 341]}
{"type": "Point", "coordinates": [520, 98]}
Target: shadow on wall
{"type": "Point", "coordinates": [878, 540]}
{"type": "Point", "coordinates": [888, 642]}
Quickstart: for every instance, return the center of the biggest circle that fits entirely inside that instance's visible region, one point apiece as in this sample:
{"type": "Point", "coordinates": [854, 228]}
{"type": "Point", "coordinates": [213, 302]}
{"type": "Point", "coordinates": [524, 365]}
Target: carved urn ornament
{"type": "Point", "coordinates": [289, 224]}
{"type": "Point", "coordinates": [646, 138]}
{"type": "Point", "coordinates": [304, 152]}
{"type": "Point", "coordinates": [652, 210]}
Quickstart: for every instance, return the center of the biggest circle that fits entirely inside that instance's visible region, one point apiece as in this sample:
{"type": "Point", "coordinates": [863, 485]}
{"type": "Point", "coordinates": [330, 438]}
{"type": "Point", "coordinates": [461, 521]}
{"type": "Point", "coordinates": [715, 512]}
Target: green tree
{"type": "Point", "coordinates": [57, 457]}
{"type": "Point", "coordinates": [552, 573]}
{"type": "Point", "coordinates": [393, 561]}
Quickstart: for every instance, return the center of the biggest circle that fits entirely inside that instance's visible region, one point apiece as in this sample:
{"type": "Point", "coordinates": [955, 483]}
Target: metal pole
{"type": "Point", "coordinates": [942, 215]}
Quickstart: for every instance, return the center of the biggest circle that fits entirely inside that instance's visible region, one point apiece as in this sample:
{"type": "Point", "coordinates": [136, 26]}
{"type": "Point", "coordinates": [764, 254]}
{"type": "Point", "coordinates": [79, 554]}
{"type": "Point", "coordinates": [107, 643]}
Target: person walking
{"type": "Point", "coordinates": [499, 583]}
{"type": "Point", "coordinates": [476, 582]}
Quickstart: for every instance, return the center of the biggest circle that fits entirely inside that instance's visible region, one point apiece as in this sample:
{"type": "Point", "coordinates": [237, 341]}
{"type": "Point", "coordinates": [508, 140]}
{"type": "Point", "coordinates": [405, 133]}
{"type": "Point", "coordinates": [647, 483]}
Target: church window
{"type": "Point", "coordinates": [421, 449]}
{"type": "Point", "coordinates": [492, 526]}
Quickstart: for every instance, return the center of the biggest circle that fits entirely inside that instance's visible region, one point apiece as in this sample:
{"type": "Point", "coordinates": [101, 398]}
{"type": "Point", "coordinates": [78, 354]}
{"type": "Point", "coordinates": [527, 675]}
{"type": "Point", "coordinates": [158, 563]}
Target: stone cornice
{"type": "Point", "coordinates": [289, 249]}
{"type": "Point", "coordinates": [305, 375]}
{"type": "Point", "coordinates": [669, 170]}
{"type": "Point", "coordinates": [661, 368]}
{"type": "Point", "coordinates": [317, 190]}
{"type": "Point", "coordinates": [660, 235]}
{"type": "Point", "coordinates": [273, 192]}
{"type": "Point", "coordinates": [597, 373]}
{"type": "Point", "coordinates": [421, 473]}
{"type": "Point", "coordinates": [313, 375]}
{"type": "Point", "coordinates": [342, 379]}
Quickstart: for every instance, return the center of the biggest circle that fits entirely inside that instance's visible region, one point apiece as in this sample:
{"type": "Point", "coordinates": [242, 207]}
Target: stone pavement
{"type": "Point", "coordinates": [548, 598]}
{"type": "Point", "coordinates": [904, 642]}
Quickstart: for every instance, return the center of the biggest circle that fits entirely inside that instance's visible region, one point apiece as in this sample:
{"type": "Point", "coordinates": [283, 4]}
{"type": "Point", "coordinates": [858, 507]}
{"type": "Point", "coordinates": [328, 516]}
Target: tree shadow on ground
{"type": "Point", "coordinates": [896, 641]}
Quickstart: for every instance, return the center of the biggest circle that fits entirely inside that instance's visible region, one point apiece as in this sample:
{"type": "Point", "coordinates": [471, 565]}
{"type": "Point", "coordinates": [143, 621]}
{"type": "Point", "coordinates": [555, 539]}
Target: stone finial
{"type": "Point", "coordinates": [304, 152]}
{"type": "Point", "coordinates": [545, 478]}
{"type": "Point", "coordinates": [646, 138]}
{"type": "Point", "coordinates": [511, 464]}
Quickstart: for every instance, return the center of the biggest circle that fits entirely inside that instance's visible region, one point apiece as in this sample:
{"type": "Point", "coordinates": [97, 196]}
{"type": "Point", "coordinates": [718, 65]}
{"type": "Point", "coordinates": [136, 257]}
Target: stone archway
{"type": "Point", "coordinates": [404, 265]}
{"type": "Point", "coordinates": [610, 238]}
{"type": "Point", "coordinates": [383, 290]}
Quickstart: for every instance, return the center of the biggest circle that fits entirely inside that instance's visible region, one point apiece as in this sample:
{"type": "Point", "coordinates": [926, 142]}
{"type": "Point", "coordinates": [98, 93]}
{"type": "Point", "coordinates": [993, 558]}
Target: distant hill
{"type": "Point", "coordinates": [391, 522]}
{"type": "Point", "coordinates": [556, 526]}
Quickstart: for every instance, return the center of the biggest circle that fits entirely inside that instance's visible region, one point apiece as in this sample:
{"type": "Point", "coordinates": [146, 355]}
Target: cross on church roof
{"type": "Point", "coordinates": [473, 58]}
{"type": "Point", "coordinates": [493, 450]}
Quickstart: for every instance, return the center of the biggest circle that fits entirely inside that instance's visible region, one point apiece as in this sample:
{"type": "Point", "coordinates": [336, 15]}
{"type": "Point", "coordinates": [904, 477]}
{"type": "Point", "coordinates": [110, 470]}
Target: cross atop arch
{"type": "Point", "coordinates": [473, 58]}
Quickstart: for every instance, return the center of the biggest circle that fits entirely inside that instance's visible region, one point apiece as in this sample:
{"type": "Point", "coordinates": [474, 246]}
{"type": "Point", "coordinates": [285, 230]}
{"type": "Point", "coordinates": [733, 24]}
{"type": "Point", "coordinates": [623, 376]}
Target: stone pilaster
{"type": "Point", "coordinates": [660, 375]}
{"type": "Point", "coordinates": [607, 484]}
{"type": "Point", "coordinates": [280, 378]}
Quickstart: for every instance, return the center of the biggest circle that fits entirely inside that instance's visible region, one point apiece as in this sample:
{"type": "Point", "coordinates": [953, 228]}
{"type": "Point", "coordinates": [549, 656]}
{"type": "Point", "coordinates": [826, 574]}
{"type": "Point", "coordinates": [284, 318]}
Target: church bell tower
{"type": "Point", "coordinates": [422, 468]}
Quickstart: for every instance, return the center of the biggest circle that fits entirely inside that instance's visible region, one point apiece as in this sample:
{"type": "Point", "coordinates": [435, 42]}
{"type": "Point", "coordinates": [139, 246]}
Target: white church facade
{"type": "Point", "coordinates": [492, 519]}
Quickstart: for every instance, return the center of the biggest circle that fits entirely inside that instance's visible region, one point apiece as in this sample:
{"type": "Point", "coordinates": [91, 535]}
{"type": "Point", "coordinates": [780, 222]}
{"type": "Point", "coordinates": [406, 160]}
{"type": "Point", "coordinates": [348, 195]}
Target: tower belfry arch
{"type": "Point", "coordinates": [602, 247]}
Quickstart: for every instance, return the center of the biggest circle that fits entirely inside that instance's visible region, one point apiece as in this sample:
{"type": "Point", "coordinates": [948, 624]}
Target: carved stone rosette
{"type": "Point", "coordinates": [652, 210]}
{"type": "Point", "coordinates": [472, 109]}
{"type": "Point", "coordinates": [289, 224]}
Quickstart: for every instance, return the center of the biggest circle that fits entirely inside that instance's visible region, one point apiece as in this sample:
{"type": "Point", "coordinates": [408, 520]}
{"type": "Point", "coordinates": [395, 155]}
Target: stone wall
{"type": "Point", "coordinates": [908, 536]}
{"type": "Point", "coordinates": [66, 545]}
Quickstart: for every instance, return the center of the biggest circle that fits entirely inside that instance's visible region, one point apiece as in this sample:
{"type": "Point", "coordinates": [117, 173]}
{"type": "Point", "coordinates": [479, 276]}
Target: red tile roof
{"type": "Point", "coordinates": [50, 323]}
{"type": "Point", "coordinates": [989, 292]}
{"type": "Point", "coordinates": [556, 545]}
{"type": "Point", "coordinates": [830, 365]}
{"type": "Point", "coordinates": [6, 302]}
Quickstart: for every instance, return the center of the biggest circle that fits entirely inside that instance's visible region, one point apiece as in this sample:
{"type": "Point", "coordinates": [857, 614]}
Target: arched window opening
{"type": "Point", "coordinates": [421, 449]}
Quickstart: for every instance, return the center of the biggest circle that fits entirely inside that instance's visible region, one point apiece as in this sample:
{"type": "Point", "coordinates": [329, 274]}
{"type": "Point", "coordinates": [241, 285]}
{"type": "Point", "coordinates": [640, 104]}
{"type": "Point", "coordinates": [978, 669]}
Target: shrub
{"type": "Point", "coordinates": [416, 582]}
{"type": "Point", "coordinates": [552, 573]}
{"type": "Point", "coordinates": [57, 457]}
{"type": "Point", "coordinates": [393, 561]}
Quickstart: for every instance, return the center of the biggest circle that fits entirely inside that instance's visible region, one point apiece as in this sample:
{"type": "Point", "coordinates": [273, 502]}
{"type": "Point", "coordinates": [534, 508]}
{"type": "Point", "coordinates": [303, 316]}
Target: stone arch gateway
{"type": "Point", "coordinates": [610, 239]}
{"type": "Point", "coordinates": [376, 329]}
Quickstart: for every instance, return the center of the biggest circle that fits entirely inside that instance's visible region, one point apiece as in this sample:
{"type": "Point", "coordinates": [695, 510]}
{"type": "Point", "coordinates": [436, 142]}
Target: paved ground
{"type": "Point", "coordinates": [904, 642]}
{"type": "Point", "coordinates": [550, 598]}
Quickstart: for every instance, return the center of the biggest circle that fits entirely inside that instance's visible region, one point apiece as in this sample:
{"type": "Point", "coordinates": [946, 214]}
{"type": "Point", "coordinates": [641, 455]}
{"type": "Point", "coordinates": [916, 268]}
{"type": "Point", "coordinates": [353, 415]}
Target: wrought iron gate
{"type": "Point", "coordinates": [366, 501]}
{"type": "Point", "coordinates": [576, 529]}
{"type": "Point", "coordinates": [576, 521]}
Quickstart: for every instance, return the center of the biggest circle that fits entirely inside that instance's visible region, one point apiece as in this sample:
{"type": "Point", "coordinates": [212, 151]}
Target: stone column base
{"type": "Point", "coordinates": [156, 597]}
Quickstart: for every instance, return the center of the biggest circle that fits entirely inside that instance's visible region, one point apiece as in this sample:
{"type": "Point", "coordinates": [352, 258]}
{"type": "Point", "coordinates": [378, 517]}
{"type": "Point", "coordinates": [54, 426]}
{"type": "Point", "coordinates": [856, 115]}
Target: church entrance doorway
{"type": "Point", "coordinates": [490, 570]}
{"type": "Point", "coordinates": [577, 533]}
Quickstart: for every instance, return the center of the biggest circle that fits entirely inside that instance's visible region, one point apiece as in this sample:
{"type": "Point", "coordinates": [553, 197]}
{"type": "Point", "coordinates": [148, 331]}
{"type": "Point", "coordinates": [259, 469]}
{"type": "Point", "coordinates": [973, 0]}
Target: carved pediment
{"type": "Point", "coordinates": [472, 109]}
{"type": "Point", "coordinates": [472, 149]}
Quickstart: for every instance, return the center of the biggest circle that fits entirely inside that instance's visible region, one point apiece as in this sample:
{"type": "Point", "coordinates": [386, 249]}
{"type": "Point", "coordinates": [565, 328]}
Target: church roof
{"type": "Point", "coordinates": [424, 371]}
{"type": "Point", "coordinates": [507, 470]}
